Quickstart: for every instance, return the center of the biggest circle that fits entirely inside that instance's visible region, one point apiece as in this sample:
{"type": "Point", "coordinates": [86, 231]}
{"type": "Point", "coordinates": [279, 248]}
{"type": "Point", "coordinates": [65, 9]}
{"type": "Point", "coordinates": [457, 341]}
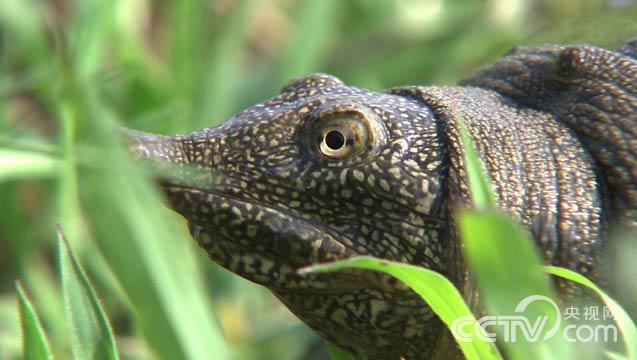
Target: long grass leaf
{"type": "Point", "coordinates": [221, 74]}
{"type": "Point", "coordinates": [608, 28]}
{"type": "Point", "coordinates": [34, 342]}
{"type": "Point", "coordinates": [623, 320]}
{"type": "Point", "coordinates": [91, 333]}
{"type": "Point", "coordinates": [504, 280]}
{"type": "Point", "coordinates": [337, 353]}
{"type": "Point", "coordinates": [482, 193]}
{"type": "Point", "coordinates": [436, 290]}
{"type": "Point", "coordinates": [15, 164]}
{"type": "Point", "coordinates": [506, 263]}
{"type": "Point", "coordinates": [147, 249]}
{"type": "Point", "coordinates": [316, 21]}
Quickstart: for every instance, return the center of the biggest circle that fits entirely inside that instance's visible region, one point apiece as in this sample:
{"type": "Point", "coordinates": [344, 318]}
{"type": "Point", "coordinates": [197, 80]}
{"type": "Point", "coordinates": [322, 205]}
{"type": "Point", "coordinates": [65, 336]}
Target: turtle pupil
{"type": "Point", "coordinates": [334, 140]}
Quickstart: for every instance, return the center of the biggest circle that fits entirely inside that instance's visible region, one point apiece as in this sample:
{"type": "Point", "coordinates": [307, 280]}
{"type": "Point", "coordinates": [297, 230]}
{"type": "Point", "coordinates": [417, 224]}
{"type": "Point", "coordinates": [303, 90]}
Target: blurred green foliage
{"type": "Point", "coordinates": [72, 69]}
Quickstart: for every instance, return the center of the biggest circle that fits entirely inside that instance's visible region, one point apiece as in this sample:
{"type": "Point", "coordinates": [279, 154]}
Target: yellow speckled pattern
{"type": "Point", "coordinates": [325, 171]}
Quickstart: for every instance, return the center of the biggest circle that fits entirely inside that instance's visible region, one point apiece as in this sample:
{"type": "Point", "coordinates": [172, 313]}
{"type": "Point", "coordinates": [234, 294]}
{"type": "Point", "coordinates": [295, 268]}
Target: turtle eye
{"type": "Point", "coordinates": [334, 140]}
{"type": "Point", "coordinates": [340, 137]}
{"type": "Point", "coordinates": [342, 133]}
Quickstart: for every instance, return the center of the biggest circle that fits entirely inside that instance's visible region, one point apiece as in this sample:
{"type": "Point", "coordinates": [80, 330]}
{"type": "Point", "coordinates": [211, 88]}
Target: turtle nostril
{"type": "Point", "coordinates": [334, 140]}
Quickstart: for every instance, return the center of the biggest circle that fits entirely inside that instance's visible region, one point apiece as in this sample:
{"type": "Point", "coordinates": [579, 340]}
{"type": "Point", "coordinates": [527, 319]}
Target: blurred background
{"type": "Point", "coordinates": [72, 70]}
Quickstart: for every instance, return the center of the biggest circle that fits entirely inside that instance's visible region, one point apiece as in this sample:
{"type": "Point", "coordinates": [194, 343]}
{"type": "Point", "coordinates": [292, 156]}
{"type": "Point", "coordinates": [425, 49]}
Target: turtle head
{"type": "Point", "coordinates": [319, 173]}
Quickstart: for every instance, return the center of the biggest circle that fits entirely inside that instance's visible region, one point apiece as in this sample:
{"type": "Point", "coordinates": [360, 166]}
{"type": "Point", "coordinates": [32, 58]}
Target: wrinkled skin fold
{"type": "Point", "coordinates": [326, 171]}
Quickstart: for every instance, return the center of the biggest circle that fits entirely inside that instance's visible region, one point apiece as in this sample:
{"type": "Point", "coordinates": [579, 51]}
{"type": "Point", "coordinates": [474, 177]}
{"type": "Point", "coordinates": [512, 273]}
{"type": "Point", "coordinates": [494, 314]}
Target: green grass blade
{"type": "Point", "coordinates": [505, 262]}
{"type": "Point", "coordinates": [147, 249]}
{"type": "Point", "coordinates": [480, 186]}
{"type": "Point", "coordinates": [615, 356]}
{"type": "Point", "coordinates": [69, 211]}
{"type": "Point", "coordinates": [504, 280]}
{"type": "Point", "coordinates": [316, 22]}
{"type": "Point", "coordinates": [436, 290]}
{"type": "Point", "coordinates": [623, 320]}
{"type": "Point", "coordinates": [337, 353]}
{"type": "Point", "coordinates": [25, 164]}
{"type": "Point", "coordinates": [34, 341]}
{"type": "Point", "coordinates": [608, 28]}
{"type": "Point", "coordinates": [44, 288]}
{"type": "Point", "coordinates": [88, 34]}
{"type": "Point", "coordinates": [219, 86]}
{"type": "Point", "coordinates": [143, 244]}
{"type": "Point", "coordinates": [91, 333]}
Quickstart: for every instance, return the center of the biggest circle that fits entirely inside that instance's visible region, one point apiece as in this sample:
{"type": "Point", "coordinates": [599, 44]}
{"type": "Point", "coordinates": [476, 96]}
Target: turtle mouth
{"type": "Point", "coordinates": [237, 232]}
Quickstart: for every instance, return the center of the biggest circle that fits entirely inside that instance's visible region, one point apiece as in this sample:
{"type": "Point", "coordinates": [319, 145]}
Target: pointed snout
{"type": "Point", "coordinates": [186, 160]}
{"type": "Point", "coordinates": [152, 147]}
{"type": "Point", "coordinates": [197, 149]}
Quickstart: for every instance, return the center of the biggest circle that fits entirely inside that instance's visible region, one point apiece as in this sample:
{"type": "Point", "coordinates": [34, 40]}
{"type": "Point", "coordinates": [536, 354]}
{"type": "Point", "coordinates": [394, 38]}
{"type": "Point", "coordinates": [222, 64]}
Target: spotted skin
{"type": "Point", "coordinates": [270, 197]}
